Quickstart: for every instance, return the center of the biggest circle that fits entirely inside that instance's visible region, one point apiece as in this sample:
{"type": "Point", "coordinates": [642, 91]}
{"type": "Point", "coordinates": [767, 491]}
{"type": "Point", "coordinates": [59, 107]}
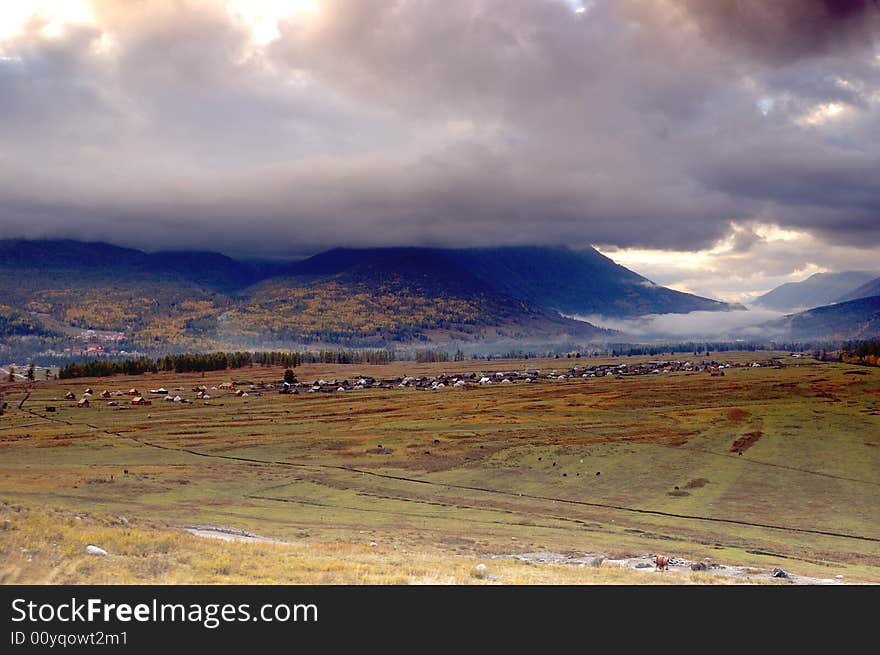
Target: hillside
{"type": "Point", "coordinates": [202, 300]}
{"type": "Point", "coordinates": [142, 301]}
{"type": "Point", "coordinates": [580, 282]}
{"type": "Point", "coordinates": [817, 290]}
{"type": "Point", "coordinates": [402, 295]}
{"type": "Point", "coordinates": [854, 319]}
{"type": "Point", "coordinates": [568, 281]}
{"type": "Point", "coordinates": [870, 288]}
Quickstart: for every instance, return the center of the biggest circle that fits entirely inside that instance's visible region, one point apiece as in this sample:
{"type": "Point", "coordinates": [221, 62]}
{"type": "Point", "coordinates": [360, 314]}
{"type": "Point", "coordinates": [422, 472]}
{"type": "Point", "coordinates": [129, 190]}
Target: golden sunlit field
{"type": "Point", "coordinates": [764, 467]}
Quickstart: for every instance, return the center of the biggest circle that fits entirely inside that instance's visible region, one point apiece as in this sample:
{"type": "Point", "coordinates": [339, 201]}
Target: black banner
{"type": "Point", "coordinates": [136, 618]}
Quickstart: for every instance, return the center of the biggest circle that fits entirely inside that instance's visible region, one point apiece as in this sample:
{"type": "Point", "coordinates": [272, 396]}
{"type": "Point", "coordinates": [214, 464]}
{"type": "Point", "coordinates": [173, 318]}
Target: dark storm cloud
{"type": "Point", "coordinates": [783, 31]}
{"type": "Point", "coordinates": [478, 122]}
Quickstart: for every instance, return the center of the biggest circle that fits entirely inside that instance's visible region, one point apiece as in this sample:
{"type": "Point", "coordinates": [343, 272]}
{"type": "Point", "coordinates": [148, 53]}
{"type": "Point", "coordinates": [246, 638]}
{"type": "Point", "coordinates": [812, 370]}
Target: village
{"type": "Point", "coordinates": [467, 380]}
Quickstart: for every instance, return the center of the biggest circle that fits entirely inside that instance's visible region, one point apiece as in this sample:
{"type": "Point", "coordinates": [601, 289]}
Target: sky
{"type": "Point", "coordinates": [717, 147]}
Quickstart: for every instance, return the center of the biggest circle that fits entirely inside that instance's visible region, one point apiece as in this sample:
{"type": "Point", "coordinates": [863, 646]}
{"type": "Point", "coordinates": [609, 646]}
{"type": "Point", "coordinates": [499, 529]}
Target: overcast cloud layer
{"type": "Point", "coordinates": [637, 125]}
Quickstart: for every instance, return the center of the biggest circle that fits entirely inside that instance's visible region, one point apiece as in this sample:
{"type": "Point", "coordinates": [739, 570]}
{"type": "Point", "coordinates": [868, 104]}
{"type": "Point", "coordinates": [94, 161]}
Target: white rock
{"type": "Point", "coordinates": [94, 550]}
{"type": "Point", "coordinates": [373, 544]}
{"type": "Point", "coordinates": [481, 567]}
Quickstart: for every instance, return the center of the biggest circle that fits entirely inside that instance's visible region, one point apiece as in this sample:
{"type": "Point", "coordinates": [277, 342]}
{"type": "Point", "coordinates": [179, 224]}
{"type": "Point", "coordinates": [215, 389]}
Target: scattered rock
{"type": "Point", "coordinates": [123, 520]}
{"type": "Point", "coordinates": [94, 550]}
{"type": "Point", "coordinates": [779, 573]}
{"type": "Point", "coordinates": [643, 565]}
{"type": "Point", "coordinates": [480, 572]}
{"type": "Point", "coordinates": [699, 566]}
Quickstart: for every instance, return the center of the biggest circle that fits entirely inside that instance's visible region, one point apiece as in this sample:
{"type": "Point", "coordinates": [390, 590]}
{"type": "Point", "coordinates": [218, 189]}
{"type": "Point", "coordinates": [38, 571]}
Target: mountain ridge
{"type": "Point", "coordinates": [347, 297]}
{"type": "Point", "coordinates": [868, 289]}
{"type": "Point", "coordinates": [815, 291]}
{"type": "Point", "coordinates": [852, 319]}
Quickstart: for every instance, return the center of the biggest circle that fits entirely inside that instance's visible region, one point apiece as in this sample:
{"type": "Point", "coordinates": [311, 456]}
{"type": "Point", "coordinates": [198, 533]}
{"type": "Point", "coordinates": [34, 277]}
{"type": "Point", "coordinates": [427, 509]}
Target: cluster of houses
{"type": "Point", "coordinates": [424, 383]}
{"type": "Point", "coordinates": [472, 379]}
{"type": "Point", "coordinates": [202, 392]}
{"type": "Point", "coordinates": [88, 394]}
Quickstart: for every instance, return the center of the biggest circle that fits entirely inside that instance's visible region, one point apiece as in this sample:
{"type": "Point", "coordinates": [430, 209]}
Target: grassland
{"type": "Point", "coordinates": [762, 467]}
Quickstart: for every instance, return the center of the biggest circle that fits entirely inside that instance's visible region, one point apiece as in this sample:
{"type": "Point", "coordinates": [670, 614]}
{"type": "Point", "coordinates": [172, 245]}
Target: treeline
{"type": "Point", "coordinates": [348, 357]}
{"type": "Point", "coordinates": [220, 361]}
{"type": "Point", "coordinates": [14, 323]}
{"type": "Point", "coordinates": [181, 363]}
{"type": "Point", "coordinates": [372, 356]}
{"type": "Point", "coordinates": [861, 352]}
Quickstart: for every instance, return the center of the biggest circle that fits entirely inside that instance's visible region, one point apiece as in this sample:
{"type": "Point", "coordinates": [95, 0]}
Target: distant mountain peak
{"type": "Point", "coordinates": [815, 291]}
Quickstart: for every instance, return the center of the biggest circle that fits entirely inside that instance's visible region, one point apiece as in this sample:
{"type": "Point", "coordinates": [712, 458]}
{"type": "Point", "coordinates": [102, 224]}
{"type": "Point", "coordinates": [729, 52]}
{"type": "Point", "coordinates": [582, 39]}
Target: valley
{"type": "Point", "coordinates": [767, 466]}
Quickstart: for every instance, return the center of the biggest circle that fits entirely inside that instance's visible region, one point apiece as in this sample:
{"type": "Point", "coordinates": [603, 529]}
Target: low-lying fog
{"type": "Point", "coordinates": [695, 325]}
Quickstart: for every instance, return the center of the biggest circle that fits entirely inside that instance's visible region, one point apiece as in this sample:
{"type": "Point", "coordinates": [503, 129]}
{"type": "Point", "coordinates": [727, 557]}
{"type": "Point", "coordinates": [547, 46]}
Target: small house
{"type": "Point", "coordinates": [83, 402]}
{"type": "Point", "coordinates": [140, 400]}
{"type": "Point", "coordinates": [133, 392]}
{"type": "Point", "coordinates": [105, 394]}
{"type": "Point", "coordinates": [69, 396]}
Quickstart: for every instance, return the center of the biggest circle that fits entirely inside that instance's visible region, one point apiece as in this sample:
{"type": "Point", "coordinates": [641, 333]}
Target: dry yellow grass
{"type": "Point", "coordinates": [47, 546]}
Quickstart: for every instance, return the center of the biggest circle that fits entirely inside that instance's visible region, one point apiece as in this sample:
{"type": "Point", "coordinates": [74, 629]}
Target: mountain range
{"type": "Point", "coordinates": [817, 290]}
{"type": "Point", "coordinates": [867, 290]}
{"type": "Point", "coordinates": [841, 307]}
{"type": "Point", "coordinates": [57, 294]}
{"type": "Point", "coordinates": [844, 321]}
{"type": "Point", "coordinates": [52, 290]}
